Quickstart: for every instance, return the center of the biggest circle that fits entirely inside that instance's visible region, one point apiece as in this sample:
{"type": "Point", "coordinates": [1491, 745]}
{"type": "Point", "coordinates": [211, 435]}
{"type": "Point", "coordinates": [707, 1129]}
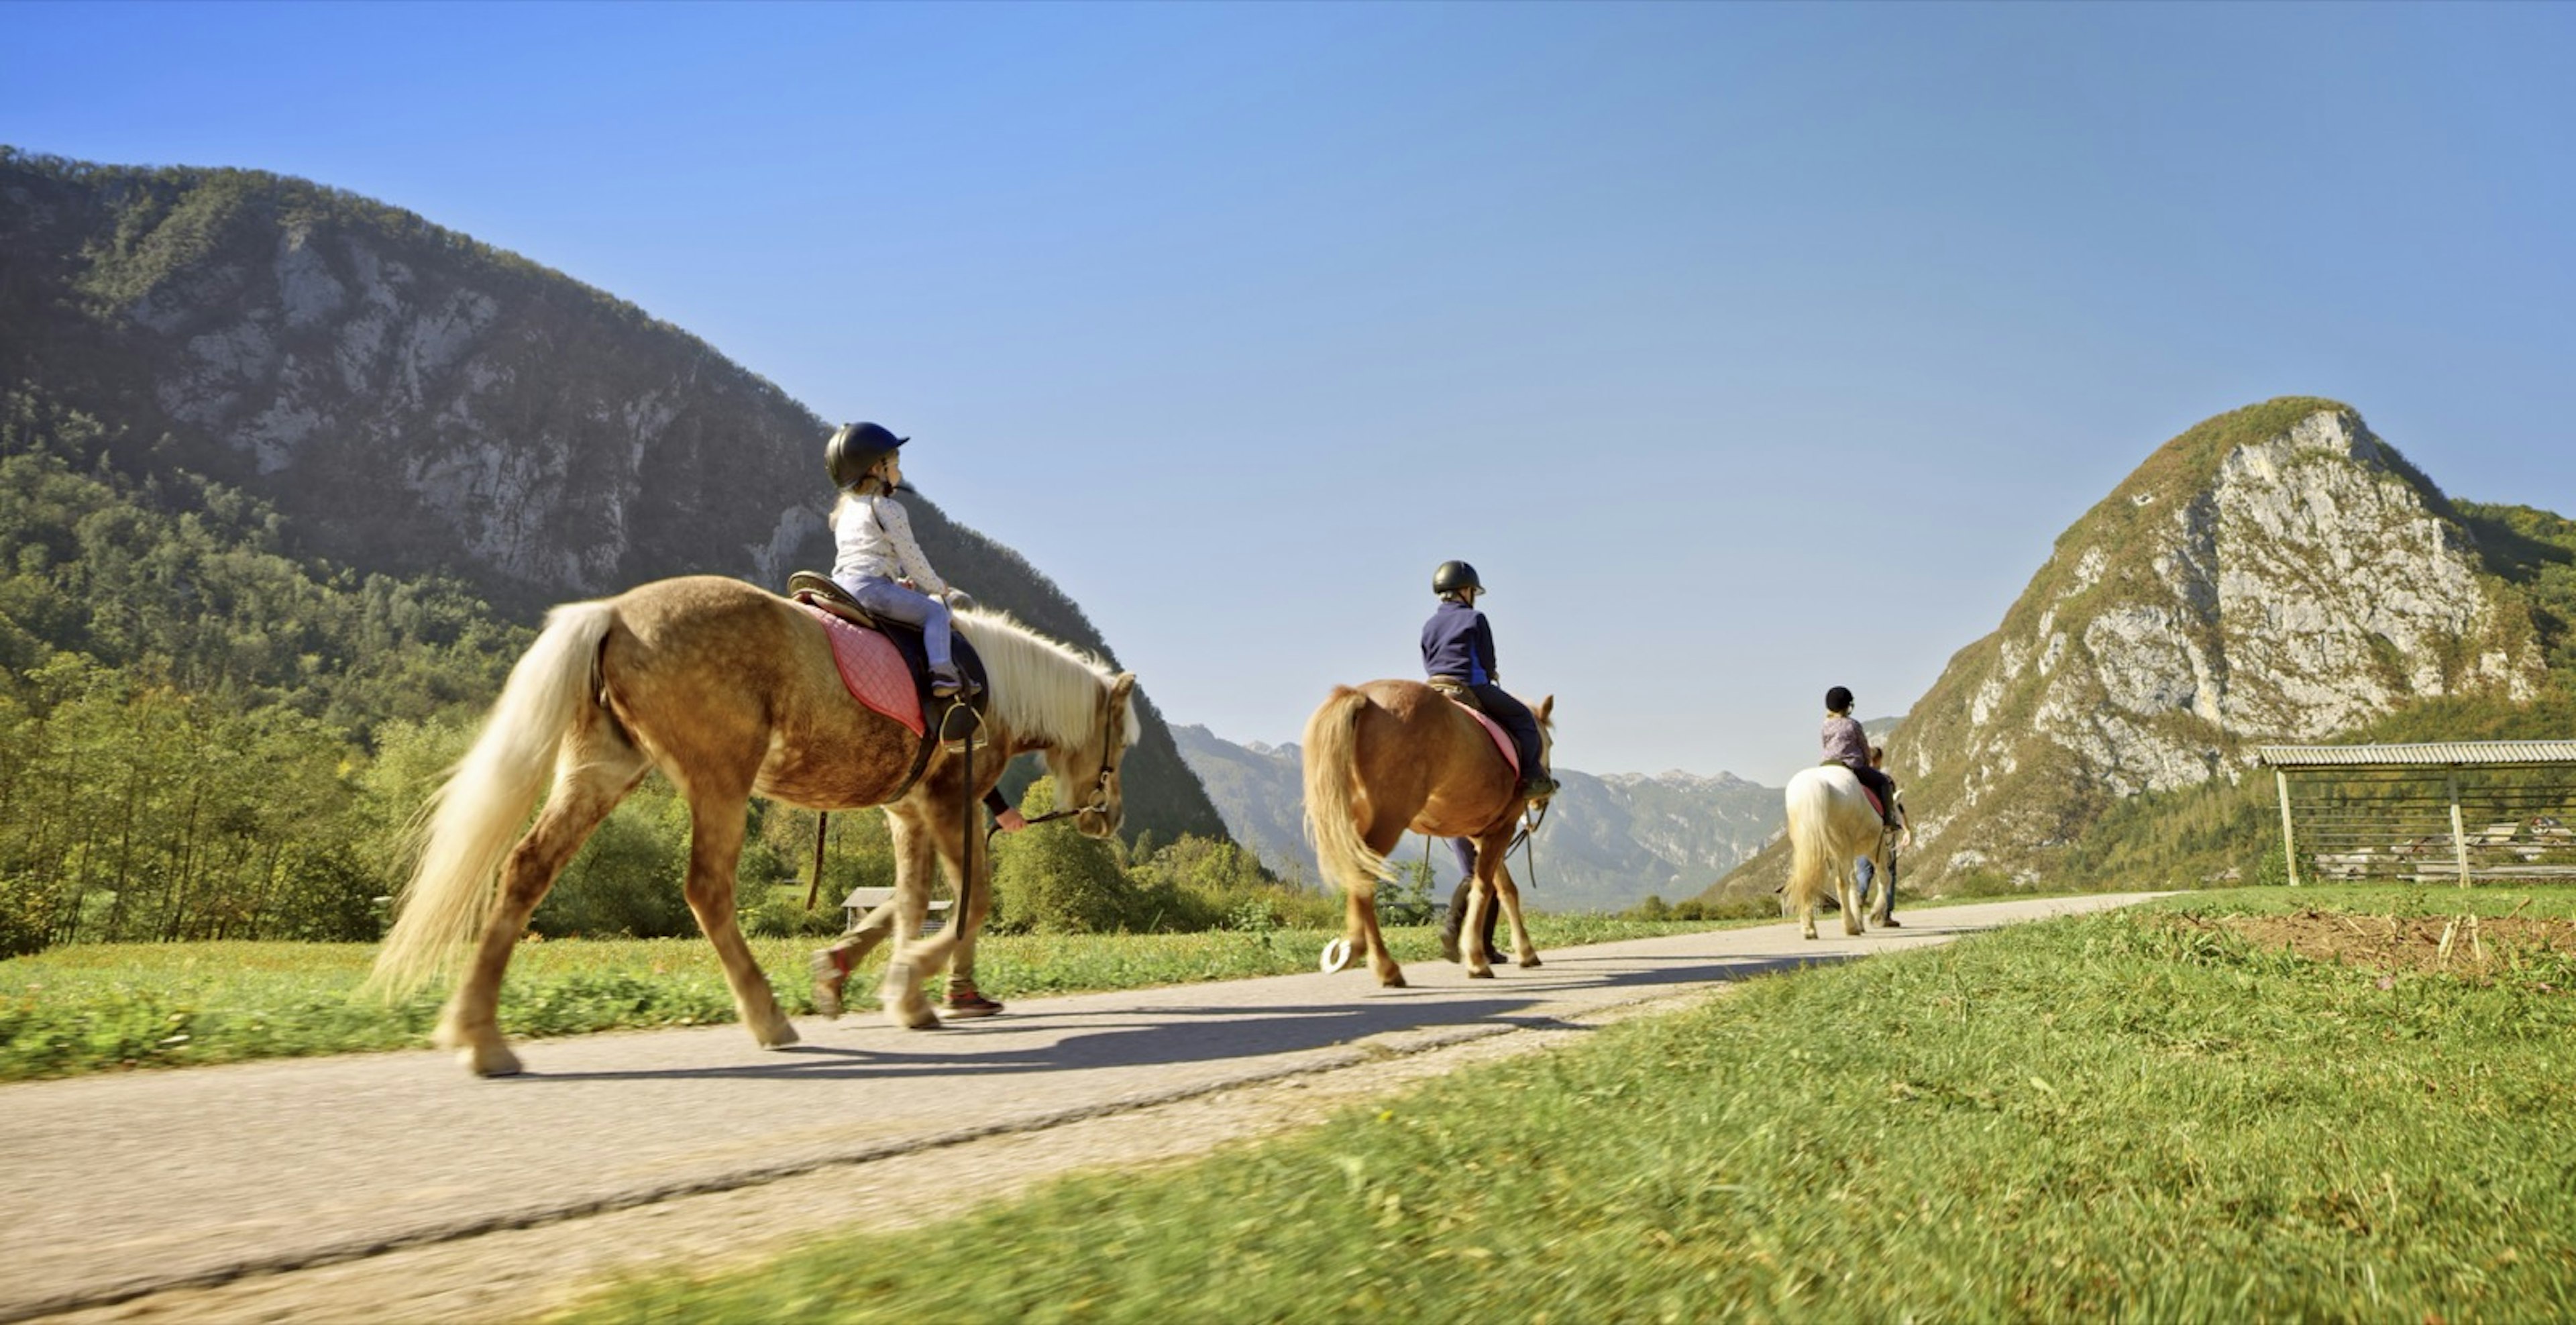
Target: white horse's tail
{"type": "Point", "coordinates": [1811, 840]}
{"type": "Point", "coordinates": [470, 823]}
{"type": "Point", "coordinates": [1335, 802]}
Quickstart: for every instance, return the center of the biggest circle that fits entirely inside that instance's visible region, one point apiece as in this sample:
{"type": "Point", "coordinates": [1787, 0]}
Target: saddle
{"type": "Point", "coordinates": [1456, 692]}
{"type": "Point", "coordinates": [1866, 794]}
{"type": "Point", "coordinates": [935, 716]}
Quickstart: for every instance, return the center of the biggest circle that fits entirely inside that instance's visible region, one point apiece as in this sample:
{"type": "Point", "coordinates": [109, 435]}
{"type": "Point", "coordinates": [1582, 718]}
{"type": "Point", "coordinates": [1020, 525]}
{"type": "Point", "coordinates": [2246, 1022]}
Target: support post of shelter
{"type": "Point", "coordinates": [2289, 844]}
{"type": "Point", "coordinates": [2459, 831]}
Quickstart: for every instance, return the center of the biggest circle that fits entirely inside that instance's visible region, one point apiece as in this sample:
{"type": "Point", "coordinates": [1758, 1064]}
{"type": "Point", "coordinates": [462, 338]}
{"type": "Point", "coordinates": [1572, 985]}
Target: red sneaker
{"type": "Point", "coordinates": [964, 1001]}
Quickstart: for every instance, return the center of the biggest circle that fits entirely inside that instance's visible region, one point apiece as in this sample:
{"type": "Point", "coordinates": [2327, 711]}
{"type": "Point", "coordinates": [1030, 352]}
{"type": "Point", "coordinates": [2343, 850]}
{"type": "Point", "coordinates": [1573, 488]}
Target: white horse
{"type": "Point", "coordinates": [1831, 825]}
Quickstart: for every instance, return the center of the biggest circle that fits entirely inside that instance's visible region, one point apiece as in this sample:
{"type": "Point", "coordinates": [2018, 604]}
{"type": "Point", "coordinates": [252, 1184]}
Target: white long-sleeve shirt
{"type": "Point", "coordinates": [875, 541]}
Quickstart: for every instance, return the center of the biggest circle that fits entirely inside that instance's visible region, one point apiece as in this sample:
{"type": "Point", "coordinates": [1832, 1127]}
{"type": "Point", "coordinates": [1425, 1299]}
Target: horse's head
{"type": "Point", "coordinates": [1086, 771]}
{"type": "Point", "coordinates": [1545, 713]}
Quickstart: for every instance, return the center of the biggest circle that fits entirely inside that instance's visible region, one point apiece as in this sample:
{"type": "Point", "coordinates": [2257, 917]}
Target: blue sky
{"type": "Point", "coordinates": [1745, 349]}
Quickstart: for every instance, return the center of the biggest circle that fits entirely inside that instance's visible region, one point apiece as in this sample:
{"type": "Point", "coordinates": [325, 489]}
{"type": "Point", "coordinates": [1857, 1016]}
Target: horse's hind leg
{"type": "Point", "coordinates": [717, 820]}
{"type": "Point", "coordinates": [593, 772]}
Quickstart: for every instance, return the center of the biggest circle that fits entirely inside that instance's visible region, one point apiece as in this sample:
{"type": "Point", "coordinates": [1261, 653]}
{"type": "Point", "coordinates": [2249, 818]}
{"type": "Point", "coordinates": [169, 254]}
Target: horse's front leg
{"type": "Point", "coordinates": [964, 999]}
{"type": "Point", "coordinates": [1480, 900]}
{"type": "Point", "coordinates": [1847, 891]}
{"type": "Point", "coordinates": [832, 965]}
{"type": "Point", "coordinates": [900, 994]}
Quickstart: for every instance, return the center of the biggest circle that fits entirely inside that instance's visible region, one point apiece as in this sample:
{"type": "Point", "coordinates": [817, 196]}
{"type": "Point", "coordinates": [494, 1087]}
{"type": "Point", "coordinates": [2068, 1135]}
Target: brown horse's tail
{"type": "Point", "coordinates": [470, 823]}
{"type": "Point", "coordinates": [1336, 805]}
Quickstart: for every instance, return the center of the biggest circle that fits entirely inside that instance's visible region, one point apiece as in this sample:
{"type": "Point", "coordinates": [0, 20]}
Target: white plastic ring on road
{"type": "Point", "coordinates": [1337, 956]}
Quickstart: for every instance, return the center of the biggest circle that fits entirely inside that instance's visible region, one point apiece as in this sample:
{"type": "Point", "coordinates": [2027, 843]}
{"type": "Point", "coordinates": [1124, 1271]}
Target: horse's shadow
{"type": "Point", "coordinates": [1170, 1036]}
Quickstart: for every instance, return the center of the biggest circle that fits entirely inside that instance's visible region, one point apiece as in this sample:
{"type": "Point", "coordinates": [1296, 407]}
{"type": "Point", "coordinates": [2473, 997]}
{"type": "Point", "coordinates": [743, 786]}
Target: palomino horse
{"type": "Point", "coordinates": [731, 692]}
{"type": "Point", "coordinates": [1392, 757]}
{"type": "Point", "coordinates": [1831, 825]}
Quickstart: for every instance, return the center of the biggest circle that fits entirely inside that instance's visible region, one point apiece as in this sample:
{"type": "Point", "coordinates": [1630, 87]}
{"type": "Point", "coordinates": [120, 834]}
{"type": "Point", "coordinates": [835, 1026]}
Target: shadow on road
{"type": "Point", "coordinates": [1167, 1035]}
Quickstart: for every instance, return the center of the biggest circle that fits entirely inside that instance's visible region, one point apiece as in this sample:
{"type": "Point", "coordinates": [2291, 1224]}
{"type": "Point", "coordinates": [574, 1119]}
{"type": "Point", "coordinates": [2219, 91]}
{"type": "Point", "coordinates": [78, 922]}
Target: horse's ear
{"type": "Point", "coordinates": [1545, 707]}
{"type": "Point", "coordinates": [1124, 686]}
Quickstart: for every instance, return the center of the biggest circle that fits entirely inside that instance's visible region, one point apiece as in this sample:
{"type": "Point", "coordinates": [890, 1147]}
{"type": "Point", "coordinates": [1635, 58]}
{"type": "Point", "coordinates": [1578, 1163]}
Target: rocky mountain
{"type": "Point", "coordinates": [1607, 844]}
{"type": "Point", "coordinates": [2278, 573]}
{"type": "Point", "coordinates": [412, 401]}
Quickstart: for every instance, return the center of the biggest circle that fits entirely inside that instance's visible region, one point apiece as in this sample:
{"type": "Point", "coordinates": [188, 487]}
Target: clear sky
{"type": "Point", "coordinates": [1745, 349]}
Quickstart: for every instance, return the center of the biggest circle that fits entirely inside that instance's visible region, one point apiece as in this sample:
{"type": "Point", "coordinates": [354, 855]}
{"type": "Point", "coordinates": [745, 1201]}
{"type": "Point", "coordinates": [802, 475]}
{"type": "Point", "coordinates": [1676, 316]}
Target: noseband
{"type": "Point", "coordinates": [1110, 749]}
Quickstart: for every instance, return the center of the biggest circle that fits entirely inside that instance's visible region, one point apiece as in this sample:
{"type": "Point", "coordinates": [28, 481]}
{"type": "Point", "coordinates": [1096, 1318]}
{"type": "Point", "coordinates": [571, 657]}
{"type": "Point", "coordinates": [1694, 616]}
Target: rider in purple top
{"type": "Point", "coordinates": [1847, 745]}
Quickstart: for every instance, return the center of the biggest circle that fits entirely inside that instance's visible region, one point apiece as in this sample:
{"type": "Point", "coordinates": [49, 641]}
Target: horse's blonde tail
{"type": "Point", "coordinates": [470, 823]}
{"type": "Point", "coordinates": [1811, 841]}
{"type": "Point", "coordinates": [1335, 803]}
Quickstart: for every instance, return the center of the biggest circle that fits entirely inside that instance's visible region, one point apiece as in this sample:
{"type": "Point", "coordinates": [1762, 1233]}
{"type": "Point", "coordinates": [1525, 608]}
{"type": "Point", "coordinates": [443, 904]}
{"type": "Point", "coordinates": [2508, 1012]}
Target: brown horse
{"type": "Point", "coordinates": [731, 692]}
{"type": "Point", "coordinates": [1390, 757]}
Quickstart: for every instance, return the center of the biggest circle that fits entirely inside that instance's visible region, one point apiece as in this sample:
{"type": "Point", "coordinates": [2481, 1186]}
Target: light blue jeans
{"type": "Point", "coordinates": [885, 598]}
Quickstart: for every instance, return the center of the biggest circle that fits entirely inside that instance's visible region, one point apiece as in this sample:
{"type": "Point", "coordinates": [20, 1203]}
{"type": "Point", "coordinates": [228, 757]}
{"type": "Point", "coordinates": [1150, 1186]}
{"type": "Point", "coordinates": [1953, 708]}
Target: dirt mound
{"type": "Point", "coordinates": [2479, 948]}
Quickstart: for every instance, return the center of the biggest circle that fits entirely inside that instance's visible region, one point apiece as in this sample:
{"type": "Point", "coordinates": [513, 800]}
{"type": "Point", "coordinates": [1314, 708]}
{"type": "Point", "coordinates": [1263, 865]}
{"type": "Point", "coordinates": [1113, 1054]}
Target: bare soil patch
{"type": "Point", "coordinates": [2478, 948]}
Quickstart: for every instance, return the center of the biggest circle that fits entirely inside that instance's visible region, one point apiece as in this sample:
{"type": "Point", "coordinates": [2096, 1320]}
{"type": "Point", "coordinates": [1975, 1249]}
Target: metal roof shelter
{"type": "Point", "coordinates": [2405, 811]}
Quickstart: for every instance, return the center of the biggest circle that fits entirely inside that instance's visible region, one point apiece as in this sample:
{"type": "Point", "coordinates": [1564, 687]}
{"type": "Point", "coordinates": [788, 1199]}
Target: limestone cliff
{"type": "Point", "coordinates": [2277, 573]}
{"type": "Point", "coordinates": [414, 401]}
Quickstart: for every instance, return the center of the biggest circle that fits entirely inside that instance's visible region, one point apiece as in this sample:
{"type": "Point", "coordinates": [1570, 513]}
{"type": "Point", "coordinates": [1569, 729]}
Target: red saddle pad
{"type": "Point", "coordinates": [872, 669]}
{"type": "Point", "coordinates": [1502, 739]}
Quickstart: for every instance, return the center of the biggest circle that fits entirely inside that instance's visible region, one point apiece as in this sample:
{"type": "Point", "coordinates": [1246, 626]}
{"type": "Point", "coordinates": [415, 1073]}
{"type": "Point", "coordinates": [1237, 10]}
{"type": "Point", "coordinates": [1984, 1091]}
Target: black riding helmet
{"type": "Point", "coordinates": [1454, 576]}
{"type": "Point", "coordinates": [1838, 700]}
{"type": "Point", "coordinates": [856, 449]}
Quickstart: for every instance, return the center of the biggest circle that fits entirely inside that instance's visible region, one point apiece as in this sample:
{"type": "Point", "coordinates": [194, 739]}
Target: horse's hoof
{"type": "Point", "coordinates": [828, 979]}
{"type": "Point", "coordinates": [777, 1037]}
{"type": "Point", "coordinates": [1395, 981]}
{"type": "Point", "coordinates": [1533, 961]}
{"type": "Point", "coordinates": [1480, 973]}
{"type": "Point", "coordinates": [489, 1061]}
{"type": "Point", "coordinates": [914, 1019]}
{"type": "Point", "coordinates": [1337, 956]}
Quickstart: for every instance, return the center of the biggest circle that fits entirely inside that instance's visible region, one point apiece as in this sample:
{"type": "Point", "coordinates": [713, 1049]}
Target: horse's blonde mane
{"type": "Point", "coordinates": [1041, 688]}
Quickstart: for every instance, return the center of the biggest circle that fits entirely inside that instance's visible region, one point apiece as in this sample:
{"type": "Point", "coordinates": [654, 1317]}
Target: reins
{"type": "Point", "coordinates": [1110, 748]}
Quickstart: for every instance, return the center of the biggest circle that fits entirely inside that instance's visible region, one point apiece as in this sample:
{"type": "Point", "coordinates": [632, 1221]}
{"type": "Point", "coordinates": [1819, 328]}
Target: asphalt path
{"type": "Point", "coordinates": [115, 1187]}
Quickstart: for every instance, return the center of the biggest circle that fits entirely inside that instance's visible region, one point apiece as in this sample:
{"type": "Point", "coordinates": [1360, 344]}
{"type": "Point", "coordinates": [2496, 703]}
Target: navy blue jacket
{"type": "Point", "coordinates": [1457, 642]}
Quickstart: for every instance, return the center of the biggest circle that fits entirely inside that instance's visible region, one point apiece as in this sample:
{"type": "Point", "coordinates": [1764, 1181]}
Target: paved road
{"type": "Point", "coordinates": [112, 1187]}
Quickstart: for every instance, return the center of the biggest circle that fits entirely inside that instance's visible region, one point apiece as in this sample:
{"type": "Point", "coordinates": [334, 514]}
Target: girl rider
{"type": "Point", "coordinates": [1846, 745]}
{"type": "Point", "coordinates": [879, 562]}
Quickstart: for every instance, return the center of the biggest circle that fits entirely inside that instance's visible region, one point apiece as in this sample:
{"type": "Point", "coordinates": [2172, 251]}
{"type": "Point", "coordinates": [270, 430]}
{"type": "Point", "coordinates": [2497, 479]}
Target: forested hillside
{"type": "Point", "coordinates": [285, 455]}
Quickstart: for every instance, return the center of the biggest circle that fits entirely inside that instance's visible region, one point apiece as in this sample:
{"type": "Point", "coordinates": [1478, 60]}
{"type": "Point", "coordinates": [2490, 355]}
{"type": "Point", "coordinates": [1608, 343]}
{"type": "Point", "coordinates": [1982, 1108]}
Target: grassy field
{"type": "Point", "coordinates": [100, 1007]}
{"type": "Point", "coordinates": [2146, 1115]}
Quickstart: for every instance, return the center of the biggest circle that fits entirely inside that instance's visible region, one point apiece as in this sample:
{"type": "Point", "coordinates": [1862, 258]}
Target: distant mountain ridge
{"type": "Point", "coordinates": [1608, 843]}
{"type": "Point", "coordinates": [411, 401]}
{"type": "Point", "coordinates": [2277, 573]}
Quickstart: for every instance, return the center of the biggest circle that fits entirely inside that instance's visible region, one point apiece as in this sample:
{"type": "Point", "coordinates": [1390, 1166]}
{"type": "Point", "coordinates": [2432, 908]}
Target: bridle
{"type": "Point", "coordinates": [1103, 783]}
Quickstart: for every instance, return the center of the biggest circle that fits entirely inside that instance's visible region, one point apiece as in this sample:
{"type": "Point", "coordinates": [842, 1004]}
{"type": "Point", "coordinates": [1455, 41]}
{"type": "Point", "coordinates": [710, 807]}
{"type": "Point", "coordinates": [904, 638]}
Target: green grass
{"type": "Point", "coordinates": [98, 1007]}
{"type": "Point", "coordinates": [2113, 1116]}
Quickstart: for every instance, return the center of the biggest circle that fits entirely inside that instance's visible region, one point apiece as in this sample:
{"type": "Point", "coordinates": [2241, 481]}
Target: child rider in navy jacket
{"type": "Point", "coordinates": [1459, 646]}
